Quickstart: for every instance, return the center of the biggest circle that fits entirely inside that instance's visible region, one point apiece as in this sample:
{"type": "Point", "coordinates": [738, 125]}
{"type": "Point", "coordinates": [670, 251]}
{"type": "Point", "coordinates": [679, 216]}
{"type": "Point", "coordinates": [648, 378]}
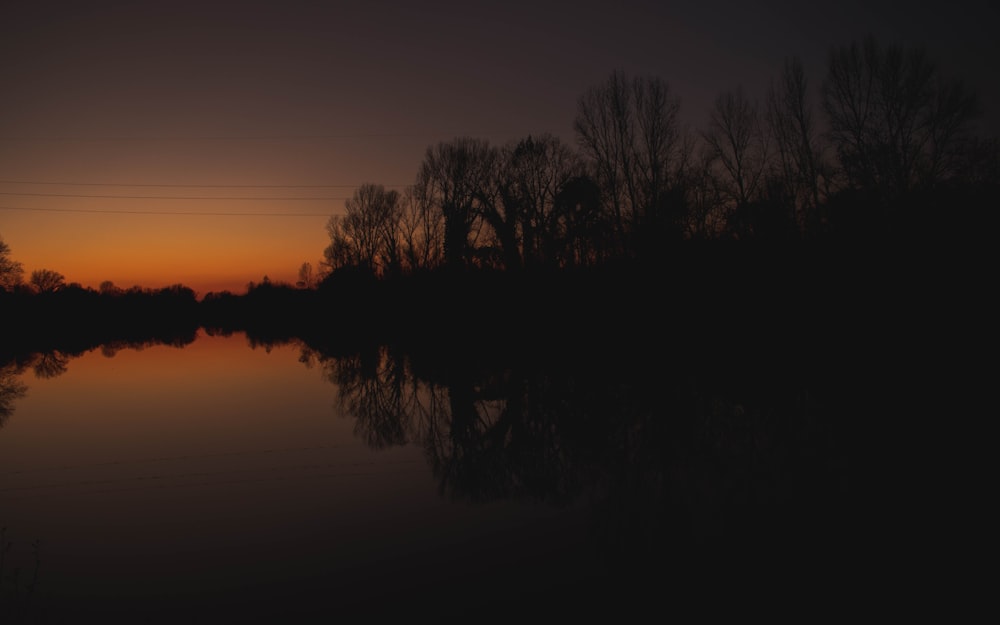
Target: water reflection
{"type": "Point", "coordinates": [564, 482]}
{"type": "Point", "coordinates": [670, 460]}
{"type": "Point", "coordinates": [11, 390]}
{"type": "Point", "coordinates": [54, 362]}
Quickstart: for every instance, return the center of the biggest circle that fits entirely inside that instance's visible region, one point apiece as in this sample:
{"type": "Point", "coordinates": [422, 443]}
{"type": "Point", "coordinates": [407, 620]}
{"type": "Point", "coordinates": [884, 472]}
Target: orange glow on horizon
{"type": "Point", "coordinates": [205, 253]}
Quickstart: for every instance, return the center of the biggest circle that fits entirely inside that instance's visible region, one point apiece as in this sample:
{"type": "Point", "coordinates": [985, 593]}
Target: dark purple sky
{"type": "Point", "coordinates": [341, 93]}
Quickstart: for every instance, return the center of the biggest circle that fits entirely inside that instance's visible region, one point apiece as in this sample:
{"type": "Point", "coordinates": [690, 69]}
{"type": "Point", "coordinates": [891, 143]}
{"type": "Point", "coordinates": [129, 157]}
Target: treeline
{"type": "Point", "coordinates": [74, 319]}
{"type": "Point", "coordinates": [890, 155]}
{"type": "Point", "coordinates": [775, 206]}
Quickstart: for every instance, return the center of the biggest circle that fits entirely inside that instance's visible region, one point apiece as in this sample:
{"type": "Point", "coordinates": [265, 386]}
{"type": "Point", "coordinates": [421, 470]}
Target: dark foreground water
{"type": "Point", "coordinates": [225, 482]}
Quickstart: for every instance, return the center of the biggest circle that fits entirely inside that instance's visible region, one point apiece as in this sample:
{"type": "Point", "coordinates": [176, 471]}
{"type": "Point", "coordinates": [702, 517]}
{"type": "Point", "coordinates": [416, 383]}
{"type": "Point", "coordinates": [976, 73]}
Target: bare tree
{"type": "Point", "coordinates": [658, 150]}
{"type": "Point", "coordinates": [306, 279]}
{"type": "Point", "coordinates": [737, 144]}
{"type": "Point", "coordinates": [895, 121]}
{"type": "Point", "coordinates": [606, 134]}
{"type": "Point", "coordinates": [628, 129]}
{"type": "Point", "coordinates": [798, 162]}
{"type": "Point", "coordinates": [11, 271]}
{"type": "Point", "coordinates": [421, 232]}
{"type": "Point", "coordinates": [11, 390]}
{"type": "Point", "coordinates": [708, 202]}
{"type": "Point", "coordinates": [582, 227]}
{"type": "Point", "coordinates": [980, 161]}
{"type": "Point", "coordinates": [376, 391]}
{"type": "Point", "coordinates": [452, 179]}
{"type": "Point", "coordinates": [340, 252]}
{"type": "Point", "coordinates": [367, 235]}
{"type": "Point", "coordinates": [47, 281]}
{"type": "Point", "coordinates": [49, 365]}
{"type": "Point", "coordinates": [519, 204]}
{"type": "Point", "coordinates": [107, 287]}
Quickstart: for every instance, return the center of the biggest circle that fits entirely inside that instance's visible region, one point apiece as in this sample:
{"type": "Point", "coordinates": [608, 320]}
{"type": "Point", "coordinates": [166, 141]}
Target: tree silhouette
{"type": "Point", "coordinates": [639, 179]}
{"type": "Point", "coordinates": [737, 144]}
{"type": "Point", "coordinates": [306, 280]}
{"type": "Point", "coordinates": [798, 163]}
{"type": "Point", "coordinates": [47, 281]}
{"type": "Point", "coordinates": [895, 122]}
{"type": "Point", "coordinates": [421, 232]}
{"type": "Point", "coordinates": [11, 390]}
{"type": "Point", "coordinates": [373, 388]}
{"type": "Point", "coordinates": [532, 174]}
{"type": "Point", "coordinates": [517, 200]}
{"type": "Point", "coordinates": [107, 287]}
{"type": "Point", "coordinates": [980, 165]}
{"type": "Point", "coordinates": [451, 179]}
{"type": "Point", "coordinates": [49, 365]}
{"type": "Point", "coordinates": [578, 206]}
{"type": "Point", "coordinates": [11, 271]}
{"type": "Point", "coordinates": [340, 252]}
{"type": "Point", "coordinates": [367, 235]}
{"type": "Point", "coordinates": [628, 129]}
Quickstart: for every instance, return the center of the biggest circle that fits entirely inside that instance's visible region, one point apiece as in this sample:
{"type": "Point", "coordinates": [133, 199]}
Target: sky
{"type": "Point", "coordinates": [208, 143]}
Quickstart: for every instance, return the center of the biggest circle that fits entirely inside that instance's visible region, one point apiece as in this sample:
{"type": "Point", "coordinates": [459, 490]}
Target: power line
{"type": "Point", "coordinates": [169, 197]}
{"type": "Point", "coordinates": [193, 186]}
{"type": "Point", "coordinates": [138, 212]}
{"type": "Point", "coordinates": [317, 137]}
{"type": "Point", "coordinates": [217, 137]}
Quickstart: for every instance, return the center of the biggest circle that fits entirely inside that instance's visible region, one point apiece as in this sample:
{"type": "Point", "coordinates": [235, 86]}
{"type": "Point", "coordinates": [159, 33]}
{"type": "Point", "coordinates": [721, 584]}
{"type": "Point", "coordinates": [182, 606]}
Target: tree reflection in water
{"type": "Point", "coordinates": [51, 363]}
{"type": "Point", "coordinates": [681, 469]}
{"type": "Point", "coordinates": [677, 466]}
{"type": "Point", "coordinates": [11, 390]}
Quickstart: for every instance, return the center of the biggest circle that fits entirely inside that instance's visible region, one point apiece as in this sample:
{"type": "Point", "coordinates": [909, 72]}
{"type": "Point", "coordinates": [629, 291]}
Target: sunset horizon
{"type": "Point", "coordinates": [168, 255]}
{"type": "Point", "coordinates": [146, 147]}
{"type": "Point", "coordinates": [491, 312]}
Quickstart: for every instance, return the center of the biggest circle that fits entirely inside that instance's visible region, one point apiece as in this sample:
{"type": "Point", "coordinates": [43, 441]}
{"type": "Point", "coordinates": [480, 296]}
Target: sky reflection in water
{"type": "Point", "coordinates": [220, 477]}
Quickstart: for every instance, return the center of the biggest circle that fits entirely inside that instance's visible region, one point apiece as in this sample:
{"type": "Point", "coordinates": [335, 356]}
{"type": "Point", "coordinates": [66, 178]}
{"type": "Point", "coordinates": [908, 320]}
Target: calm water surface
{"type": "Point", "coordinates": [219, 480]}
{"type": "Point", "coordinates": [225, 482]}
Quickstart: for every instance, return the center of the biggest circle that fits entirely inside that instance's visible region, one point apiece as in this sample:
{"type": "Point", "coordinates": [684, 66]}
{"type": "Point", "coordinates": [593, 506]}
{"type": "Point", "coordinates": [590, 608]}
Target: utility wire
{"type": "Point", "coordinates": [139, 212]}
{"type": "Point", "coordinates": [168, 197]}
{"type": "Point", "coordinates": [328, 137]}
{"type": "Point", "coordinates": [195, 186]}
{"type": "Point", "coordinates": [190, 186]}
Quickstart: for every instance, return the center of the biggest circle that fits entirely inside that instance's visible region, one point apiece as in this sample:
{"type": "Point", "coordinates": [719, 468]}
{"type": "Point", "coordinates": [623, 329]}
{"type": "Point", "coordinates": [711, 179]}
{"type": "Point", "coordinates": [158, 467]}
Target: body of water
{"type": "Point", "coordinates": [225, 481]}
